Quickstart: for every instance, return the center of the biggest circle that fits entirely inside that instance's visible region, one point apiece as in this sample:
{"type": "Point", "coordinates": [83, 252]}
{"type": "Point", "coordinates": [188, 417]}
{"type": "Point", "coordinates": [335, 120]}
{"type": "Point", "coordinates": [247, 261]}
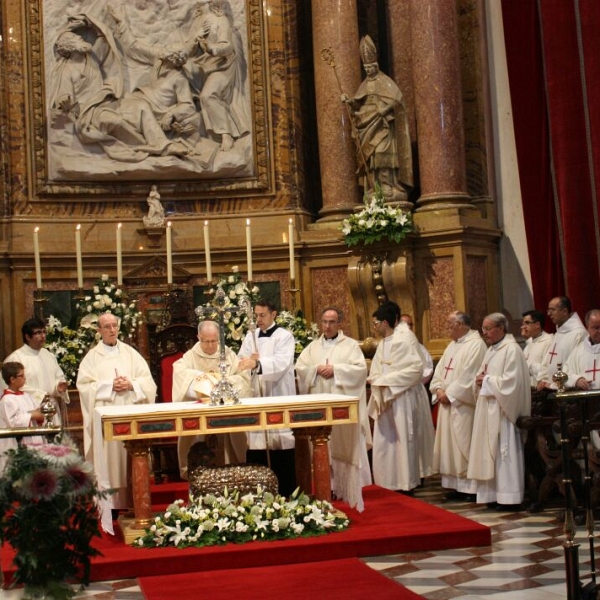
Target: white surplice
{"type": "Point", "coordinates": [536, 350]}
{"type": "Point", "coordinates": [276, 378]}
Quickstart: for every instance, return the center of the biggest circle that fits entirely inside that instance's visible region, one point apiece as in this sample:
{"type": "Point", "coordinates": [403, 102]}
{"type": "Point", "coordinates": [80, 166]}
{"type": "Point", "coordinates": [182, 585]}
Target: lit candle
{"type": "Point", "coordinates": [207, 251]}
{"type": "Point", "coordinates": [36, 259]}
{"type": "Point", "coordinates": [291, 241]}
{"type": "Point", "coordinates": [249, 249]}
{"type": "Point", "coordinates": [169, 255]}
{"type": "Point", "coordinates": [119, 257]}
{"type": "Point", "coordinates": [78, 257]}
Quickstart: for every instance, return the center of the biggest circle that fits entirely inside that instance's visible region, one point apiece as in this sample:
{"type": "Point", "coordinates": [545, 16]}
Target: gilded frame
{"type": "Point", "coordinates": [261, 183]}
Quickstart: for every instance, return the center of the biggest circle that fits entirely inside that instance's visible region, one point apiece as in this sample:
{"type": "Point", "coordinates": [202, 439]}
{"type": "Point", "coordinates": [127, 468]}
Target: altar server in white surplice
{"type": "Point", "coordinates": [111, 374]}
{"type": "Point", "coordinates": [496, 459]}
{"type": "Point", "coordinates": [335, 364]}
{"type": "Point", "coordinates": [396, 390]}
{"type": "Point", "coordinates": [570, 331]}
{"type": "Point", "coordinates": [452, 387]}
{"type": "Point", "coordinates": [538, 343]}
{"type": "Point", "coordinates": [44, 375]}
{"type": "Point", "coordinates": [194, 376]}
{"type": "Point", "coordinates": [268, 353]}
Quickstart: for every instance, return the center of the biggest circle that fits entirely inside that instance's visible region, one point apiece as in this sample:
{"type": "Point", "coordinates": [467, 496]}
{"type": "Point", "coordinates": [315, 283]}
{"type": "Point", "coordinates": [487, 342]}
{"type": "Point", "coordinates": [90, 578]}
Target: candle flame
{"type": "Point", "coordinates": [78, 227]}
{"type": "Point", "coordinates": [205, 223]}
{"type": "Point", "coordinates": [119, 226]}
{"type": "Point", "coordinates": [168, 223]}
{"type": "Point", "coordinates": [36, 230]}
{"type": "Point", "coordinates": [247, 221]}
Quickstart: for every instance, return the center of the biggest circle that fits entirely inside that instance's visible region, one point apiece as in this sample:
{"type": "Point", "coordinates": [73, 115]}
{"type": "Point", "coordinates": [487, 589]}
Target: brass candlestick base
{"type": "Point", "coordinates": [39, 300]}
{"type": "Point", "coordinates": [293, 290]}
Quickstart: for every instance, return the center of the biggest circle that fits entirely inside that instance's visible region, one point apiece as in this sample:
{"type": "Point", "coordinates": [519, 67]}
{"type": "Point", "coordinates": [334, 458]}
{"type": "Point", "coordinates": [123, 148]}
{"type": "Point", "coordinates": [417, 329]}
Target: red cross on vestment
{"type": "Point", "coordinates": [594, 371]}
{"type": "Point", "coordinates": [552, 353]}
{"type": "Point", "coordinates": [448, 368]}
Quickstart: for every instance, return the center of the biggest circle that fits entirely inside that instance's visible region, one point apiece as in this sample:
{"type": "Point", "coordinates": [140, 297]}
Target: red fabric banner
{"type": "Point", "coordinates": [553, 105]}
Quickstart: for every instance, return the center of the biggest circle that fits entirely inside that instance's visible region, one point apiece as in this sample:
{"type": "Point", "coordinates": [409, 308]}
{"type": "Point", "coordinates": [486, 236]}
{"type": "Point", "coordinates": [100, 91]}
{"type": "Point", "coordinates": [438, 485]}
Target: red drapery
{"type": "Point", "coordinates": [552, 51]}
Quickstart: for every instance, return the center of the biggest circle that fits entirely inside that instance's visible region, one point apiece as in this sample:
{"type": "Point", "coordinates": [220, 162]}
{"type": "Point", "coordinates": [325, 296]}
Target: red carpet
{"type": "Point", "coordinates": [390, 524]}
{"type": "Point", "coordinates": [348, 577]}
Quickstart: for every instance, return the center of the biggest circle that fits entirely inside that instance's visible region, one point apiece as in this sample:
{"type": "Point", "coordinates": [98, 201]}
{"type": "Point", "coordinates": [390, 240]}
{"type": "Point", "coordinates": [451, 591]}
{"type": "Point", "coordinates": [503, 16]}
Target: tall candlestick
{"type": "Point", "coordinates": [119, 257]}
{"type": "Point", "coordinates": [36, 259]}
{"type": "Point", "coordinates": [207, 251]}
{"type": "Point", "coordinates": [78, 257]}
{"type": "Point", "coordinates": [169, 255]}
{"type": "Point", "coordinates": [249, 249]}
{"type": "Point", "coordinates": [291, 242]}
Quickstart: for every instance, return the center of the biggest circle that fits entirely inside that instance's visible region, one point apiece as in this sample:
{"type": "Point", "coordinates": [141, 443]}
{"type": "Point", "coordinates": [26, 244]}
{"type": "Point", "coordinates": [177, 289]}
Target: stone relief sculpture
{"type": "Point", "coordinates": [381, 129]}
{"type": "Point", "coordinates": [156, 212]}
{"type": "Point", "coordinates": [125, 97]}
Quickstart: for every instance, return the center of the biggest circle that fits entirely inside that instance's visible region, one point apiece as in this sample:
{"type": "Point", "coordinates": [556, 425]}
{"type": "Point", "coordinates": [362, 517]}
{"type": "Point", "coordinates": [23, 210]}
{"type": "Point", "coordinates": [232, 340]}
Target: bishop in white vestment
{"type": "Point", "coordinates": [194, 375]}
{"type": "Point", "coordinates": [496, 459]}
{"type": "Point", "coordinates": [335, 364]}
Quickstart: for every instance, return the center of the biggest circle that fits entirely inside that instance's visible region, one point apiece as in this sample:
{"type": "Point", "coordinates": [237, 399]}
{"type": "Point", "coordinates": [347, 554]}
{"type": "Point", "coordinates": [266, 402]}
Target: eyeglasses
{"type": "Point", "coordinates": [209, 341]}
{"type": "Point", "coordinates": [524, 323]}
{"type": "Point", "coordinates": [113, 326]}
{"type": "Point", "coordinates": [486, 329]}
{"type": "Point", "coordinates": [375, 323]}
{"type": "Point", "coordinates": [39, 332]}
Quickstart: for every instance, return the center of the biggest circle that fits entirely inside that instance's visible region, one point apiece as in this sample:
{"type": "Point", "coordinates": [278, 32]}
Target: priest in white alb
{"type": "Point", "coordinates": [395, 378]}
{"type": "Point", "coordinates": [496, 459]}
{"type": "Point", "coordinates": [44, 375]}
{"type": "Point", "coordinates": [583, 365]}
{"type": "Point", "coordinates": [570, 331]}
{"type": "Point", "coordinates": [538, 343]}
{"type": "Point", "coordinates": [111, 374]}
{"type": "Point", "coordinates": [452, 387]}
{"type": "Point", "coordinates": [194, 376]}
{"type": "Point", "coordinates": [335, 364]}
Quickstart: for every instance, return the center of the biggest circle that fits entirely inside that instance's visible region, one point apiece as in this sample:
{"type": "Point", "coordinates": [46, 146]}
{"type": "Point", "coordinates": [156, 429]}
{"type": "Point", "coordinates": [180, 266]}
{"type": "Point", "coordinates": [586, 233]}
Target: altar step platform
{"type": "Point", "coordinates": [390, 524]}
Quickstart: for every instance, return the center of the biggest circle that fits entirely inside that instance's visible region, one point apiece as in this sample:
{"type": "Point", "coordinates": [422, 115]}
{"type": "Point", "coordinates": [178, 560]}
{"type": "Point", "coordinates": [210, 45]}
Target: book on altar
{"type": "Point", "coordinates": [204, 385]}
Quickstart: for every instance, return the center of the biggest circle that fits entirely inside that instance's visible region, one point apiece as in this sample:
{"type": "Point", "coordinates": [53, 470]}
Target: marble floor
{"type": "Point", "coordinates": [524, 562]}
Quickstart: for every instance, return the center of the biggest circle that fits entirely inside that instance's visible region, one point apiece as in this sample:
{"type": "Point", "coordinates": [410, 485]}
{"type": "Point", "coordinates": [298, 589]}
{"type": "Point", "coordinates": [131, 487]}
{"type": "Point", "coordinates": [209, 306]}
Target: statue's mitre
{"type": "Point", "coordinates": [368, 52]}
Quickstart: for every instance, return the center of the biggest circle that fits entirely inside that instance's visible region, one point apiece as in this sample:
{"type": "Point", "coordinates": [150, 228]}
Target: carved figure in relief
{"type": "Point", "coordinates": [156, 212]}
{"type": "Point", "coordinates": [383, 140]}
{"type": "Point", "coordinates": [219, 72]}
{"type": "Point", "coordinates": [122, 91]}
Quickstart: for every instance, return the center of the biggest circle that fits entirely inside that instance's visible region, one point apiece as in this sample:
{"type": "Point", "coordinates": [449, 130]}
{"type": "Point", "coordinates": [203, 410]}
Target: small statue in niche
{"type": "Point", "coordinates": [380, 129]}
{"type": "Point", "coordinates": [156, 212]}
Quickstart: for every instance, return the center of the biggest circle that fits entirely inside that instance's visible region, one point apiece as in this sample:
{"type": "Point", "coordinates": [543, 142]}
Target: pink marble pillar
{"type": "Point", "coordinates": [335, 27]}
{"type": "Point", "coordinates": [438, 100]}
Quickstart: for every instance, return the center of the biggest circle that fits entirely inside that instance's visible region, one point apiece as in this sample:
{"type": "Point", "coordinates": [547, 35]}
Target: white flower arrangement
{"type": "Point", "coordinates": [376, 221]}
{"type": "Point", "coordinates": [303, 332]}
{"type": "Point", "coordinates": [218, 519]}
{"type": "Point", "coordinates": [69, 346]}
{"type": "Point", "coordinates": [236, 323]}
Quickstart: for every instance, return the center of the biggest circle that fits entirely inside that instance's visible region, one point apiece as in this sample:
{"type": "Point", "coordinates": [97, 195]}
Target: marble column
{"type": "Point", "coordinates": [438, 100]}
{"type": "Point", "coordinates": [335, 26]}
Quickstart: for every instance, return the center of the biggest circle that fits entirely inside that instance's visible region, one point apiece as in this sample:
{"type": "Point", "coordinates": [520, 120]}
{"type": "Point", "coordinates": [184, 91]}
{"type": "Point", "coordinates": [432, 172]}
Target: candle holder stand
{"type": "Point", "coordinates": [293, 290]}
{"type": "Point", "coordinates": [39, 300]}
